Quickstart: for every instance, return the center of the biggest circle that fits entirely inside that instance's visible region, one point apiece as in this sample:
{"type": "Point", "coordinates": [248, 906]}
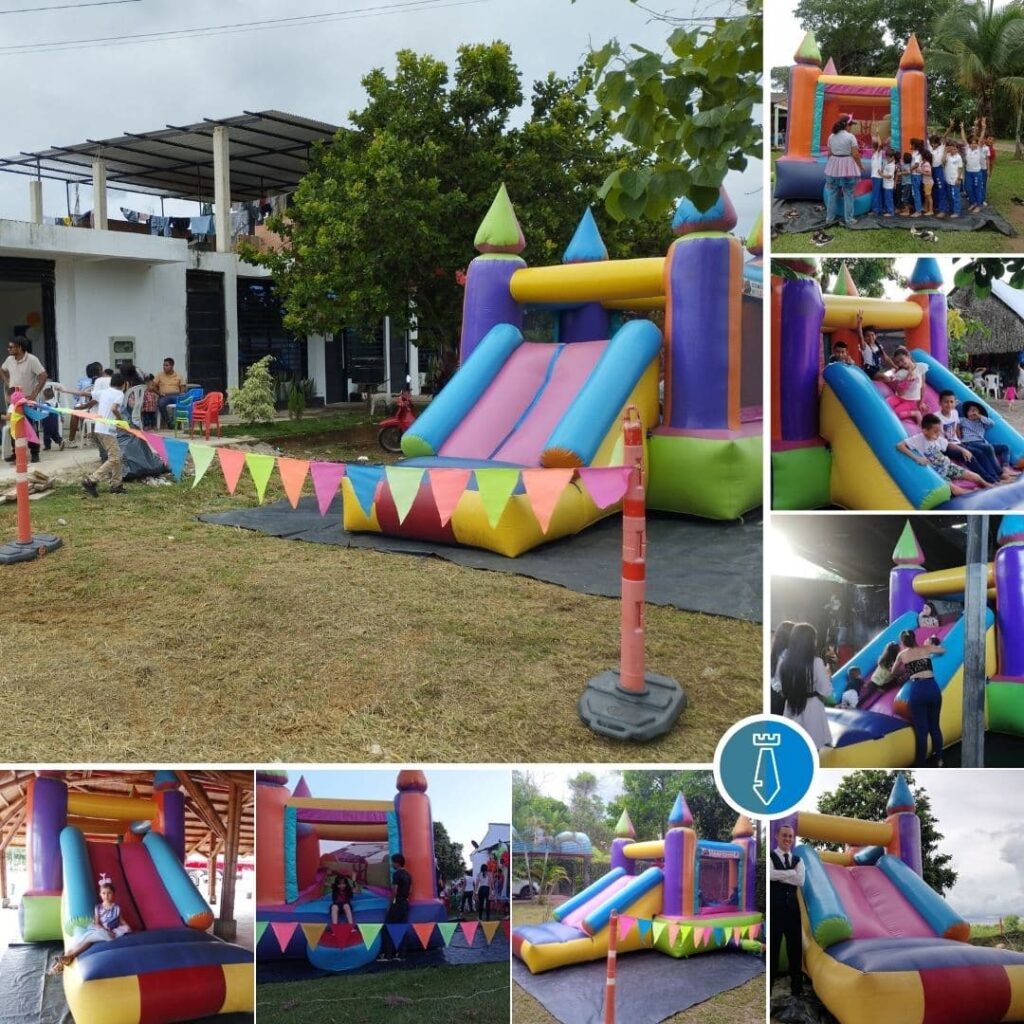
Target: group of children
{"type": "Point", "coordinates": [928, 179]}
{"type": "Point", "coordinates": [947, 432]}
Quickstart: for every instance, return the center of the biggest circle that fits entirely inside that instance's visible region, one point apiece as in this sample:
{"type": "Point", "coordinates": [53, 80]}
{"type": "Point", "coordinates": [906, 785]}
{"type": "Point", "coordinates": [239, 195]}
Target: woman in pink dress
{"type": "Point", "coordinates": [842, 171]}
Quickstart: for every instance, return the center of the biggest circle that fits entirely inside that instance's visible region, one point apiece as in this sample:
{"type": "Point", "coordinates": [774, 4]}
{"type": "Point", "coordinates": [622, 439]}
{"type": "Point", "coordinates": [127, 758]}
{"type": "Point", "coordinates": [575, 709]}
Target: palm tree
{"type": "Point", "coordinates": [983, 50]}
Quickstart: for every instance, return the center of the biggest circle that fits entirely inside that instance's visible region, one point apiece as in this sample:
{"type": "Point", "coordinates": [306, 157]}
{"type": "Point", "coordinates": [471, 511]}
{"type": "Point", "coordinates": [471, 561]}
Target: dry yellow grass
{"type": "Point", "coordinates": [223, 645]}
{"type": "Point", "coordinates": [744, 1004]}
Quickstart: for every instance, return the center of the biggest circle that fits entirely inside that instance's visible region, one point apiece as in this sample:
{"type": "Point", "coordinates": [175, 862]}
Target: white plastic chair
{"type": "Point", "coordinates": [993, 385]}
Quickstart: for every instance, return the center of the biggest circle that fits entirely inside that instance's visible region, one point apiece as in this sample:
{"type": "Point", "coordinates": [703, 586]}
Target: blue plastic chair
{"type": "Point", "coordinates": [183, 408]}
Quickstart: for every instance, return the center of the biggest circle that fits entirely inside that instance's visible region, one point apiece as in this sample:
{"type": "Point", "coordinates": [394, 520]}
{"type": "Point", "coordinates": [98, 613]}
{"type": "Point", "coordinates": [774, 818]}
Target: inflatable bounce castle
{"type": "Point", "coordinates": [168, 968]}
{"type": "Point", "coordinates": [833, 435]}
{"type": "Point", "coordinates": [291, 875]}
{"type": "Point", "coordinates": [685, 895]}
{"type": "Point", "coordinates": [877, 733]}
{"type": "Point", "coordinates": [515, 407]}
{"type": "Point", "coordinates": [886, 108]}
{"type": "Point", "coordinates": [879, 944]}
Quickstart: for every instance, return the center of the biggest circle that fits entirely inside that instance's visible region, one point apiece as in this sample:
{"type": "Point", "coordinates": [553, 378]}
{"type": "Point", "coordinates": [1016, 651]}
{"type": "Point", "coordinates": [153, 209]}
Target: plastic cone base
{"type": "Point", "coordinates": [40, 544]}
{"type": "Point", "coordinates": [611, 711]}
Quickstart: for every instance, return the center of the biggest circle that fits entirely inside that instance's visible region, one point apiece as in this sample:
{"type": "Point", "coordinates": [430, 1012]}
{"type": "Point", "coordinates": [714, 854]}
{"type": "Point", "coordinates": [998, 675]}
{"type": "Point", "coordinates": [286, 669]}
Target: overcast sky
{"type": "Point", "coordinates": [979, 813]}
{"type": "Point", "coordinates": [62, 97]}
{"type": "Point", "coordinates": [464, 800]}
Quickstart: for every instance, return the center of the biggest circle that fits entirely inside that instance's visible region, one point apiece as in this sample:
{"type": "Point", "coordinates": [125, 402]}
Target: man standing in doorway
{"type": "Point", "coordinates": [398, 911]}
{"type": "Point", "coordinates": [21, 371]}
{"type": "Point", "coordinates": [170, 386]}
{"type": "Point", "coordinates": [786, 878]}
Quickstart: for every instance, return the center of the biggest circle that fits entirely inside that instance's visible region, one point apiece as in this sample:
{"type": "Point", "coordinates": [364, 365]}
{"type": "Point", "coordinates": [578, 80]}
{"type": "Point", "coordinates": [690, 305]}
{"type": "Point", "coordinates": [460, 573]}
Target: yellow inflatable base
{"type": "Point", "coordinates": [896, 750]}
{"type": "Point", "coordinates": [549, 955]}
{"type": "Point", "coordinates": [518, 530]}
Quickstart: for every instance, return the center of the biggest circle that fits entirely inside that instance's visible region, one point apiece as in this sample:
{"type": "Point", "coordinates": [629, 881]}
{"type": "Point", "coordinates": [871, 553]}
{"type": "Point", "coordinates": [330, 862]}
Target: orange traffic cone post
{"type": "Point", "coordinates": [629, 703]}
{"type": "Point", "coordinates": [27, 547]}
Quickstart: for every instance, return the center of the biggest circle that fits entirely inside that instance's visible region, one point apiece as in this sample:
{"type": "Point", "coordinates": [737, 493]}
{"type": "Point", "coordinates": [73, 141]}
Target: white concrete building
{"type": "Point", "coordinates": [109, 290]}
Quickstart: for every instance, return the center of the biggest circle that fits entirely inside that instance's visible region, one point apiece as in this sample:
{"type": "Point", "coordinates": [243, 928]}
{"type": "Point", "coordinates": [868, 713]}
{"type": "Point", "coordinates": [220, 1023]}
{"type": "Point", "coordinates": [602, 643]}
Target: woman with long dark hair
{"type": "Point", "coordinates": [780, 641]}
{"type": "Point", "coordinates": [925, 697]}
{"type": "Point", "coordinates": [805, 684]}
{"type": "Point", "coordinates": [842, 171]}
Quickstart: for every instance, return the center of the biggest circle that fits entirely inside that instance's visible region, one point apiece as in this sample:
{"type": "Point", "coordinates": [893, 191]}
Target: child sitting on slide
{"type": "Point", "coordinates": [907, 381]}
{"type": "Point", "coordinates": [929, 449]}
{"type": "Point", "coordinates": [973, 425]}
{"type": "Point", "coordinates": [106, 926]}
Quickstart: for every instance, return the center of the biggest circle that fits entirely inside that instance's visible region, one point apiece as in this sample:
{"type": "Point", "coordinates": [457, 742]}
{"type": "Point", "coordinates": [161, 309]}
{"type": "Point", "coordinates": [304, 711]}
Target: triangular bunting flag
{"type": "Point", "coordinates": [645, 928]}
{"type": "Point", "coordinates": [625, 925]}
{"type": "Point", "coordinates": [260, 468]}
{"type": "Point", "coordinates": [293, 476]}
{"type": "Point", "coordinates": [447, 486]}
{"type": "Point", "coordinates": [490, 929]}
{"type": "Point", "coordinates": [686, 935]}
{"type": "Point", "coordinates": [605, 484]}
{"type": "Point", "coordinates": [404, 485]}
{"type": "Point", "coordinates": [755, 931]}
{"type": "Point", "coordinates": [658, 930]}
{"type": "Point", "coordinates": [673, 934]}
{"type": "Point", "coordinates": [424, 930]}
{"type": "Point", "coordinates": [364, 480]}
{"type": "Point", "coordinates": [544, 488]}
{"type": "Point", "coordinates": [369, 933]}
{"type": "Point", "coordinates": [326, 477]}
{"type": "Point", "coordinates": [469, 930]}
{"type": "Point", "coordinates": [496, 487]}
{"type": "Point", "coordinates": [447, 930]}
{"type": "Point", "coordinates": [506, 927]}
{"type": "Point", "coordinates": [737, 935]}
{"type": "Point", "coordinates": [719, 936]}
{"type": "Point", "coordinates": [232, 462]}
{"type": "Point", "coordinates": [312, 933]}
{"type": "Point", "coordinates": [397, 933]}
{"type": "Point", "coordinates": [698, 936]}
{"type": "Point", "coordinates": [283, 932]}
{"type": "Point", "coordinates": [202, 456]}
{"type": "Point", "coordinates": [177, 452]}
{"type": "Point", "coordinates": [261, 927]}
{"type": "Point", "coordinates": [156, 442]}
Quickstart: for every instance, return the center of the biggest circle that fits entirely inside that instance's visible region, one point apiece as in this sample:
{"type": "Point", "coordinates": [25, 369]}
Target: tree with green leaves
{"type": "Point", "coordinates": [980, 273]}
{"type": "Point", "coordinates": [982, 48]}
{"type": "Point", "coordinates": [692, 110]}
{"type": "Point", "coordinates": [587, 809]}
{"type": "Point", "coordinates": [447, 854]}
{"type": "Point", "coordinates": [869, 275]}
{"type": "Point", "coordinates": [383, 222]}
{"type": "Point", "coordinates": [649, 794]}
{"type": "Point", "coordinates": [868, 37]}
{"type": "Point", "coordinates": [864, 794]}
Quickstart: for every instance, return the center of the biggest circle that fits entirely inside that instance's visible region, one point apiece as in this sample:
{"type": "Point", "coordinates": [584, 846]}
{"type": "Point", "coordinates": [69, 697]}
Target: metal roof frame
{"type": "Point", "coordinates": [270, 152]}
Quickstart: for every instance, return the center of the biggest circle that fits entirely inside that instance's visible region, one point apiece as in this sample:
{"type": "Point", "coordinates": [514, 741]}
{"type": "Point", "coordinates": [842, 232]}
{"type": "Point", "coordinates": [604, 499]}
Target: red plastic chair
{"type": "Point", "coordinates": [207, 412]}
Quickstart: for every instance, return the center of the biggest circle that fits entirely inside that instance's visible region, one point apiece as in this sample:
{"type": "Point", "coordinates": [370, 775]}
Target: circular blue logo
{"type": "Point", "coordinates": [764, 766]}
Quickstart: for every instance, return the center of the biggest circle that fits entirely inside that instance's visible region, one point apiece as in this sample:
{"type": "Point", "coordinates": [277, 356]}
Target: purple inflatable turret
{"type": "Point", "coordinates": [1009, 575]}
{"type": "Point", "coordinates": [488, 300]}
{"type": "Point", "coordinates": [908, 564]}
{"type": "Point", "coordinates": [901, 813]}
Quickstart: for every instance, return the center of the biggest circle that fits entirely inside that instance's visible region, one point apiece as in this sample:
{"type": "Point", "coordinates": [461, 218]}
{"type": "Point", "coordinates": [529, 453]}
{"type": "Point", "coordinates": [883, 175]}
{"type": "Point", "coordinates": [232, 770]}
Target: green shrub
{"type": "Point", "coordinates": [296, 401]}
{"type": "Point", "coordinates": [253, 402]}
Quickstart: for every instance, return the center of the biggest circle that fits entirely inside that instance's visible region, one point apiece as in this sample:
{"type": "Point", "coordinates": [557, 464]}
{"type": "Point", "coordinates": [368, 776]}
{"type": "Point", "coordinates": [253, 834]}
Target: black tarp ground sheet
{"type": "Point", "coordinates": [799, 215]}
{"type": "Point", "coordinates": [650, 986]}
{"type": "Point", "coordinates": [692, 564]}
{"type": "Point", "coordinates": [28, 995]}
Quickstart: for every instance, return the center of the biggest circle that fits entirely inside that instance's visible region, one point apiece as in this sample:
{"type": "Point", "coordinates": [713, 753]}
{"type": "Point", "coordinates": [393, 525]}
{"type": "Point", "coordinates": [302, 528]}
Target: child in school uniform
{"type": "Point", "coordinates": [877, 162]}
{"type": "Point", "coordinates": [889, 184]}
{"type": "Point", "coordinates": [953, 173]}
{"type": "Point", "coordinates": [938, 149]}
{"type": "Point", "coordinates": [972, 154]}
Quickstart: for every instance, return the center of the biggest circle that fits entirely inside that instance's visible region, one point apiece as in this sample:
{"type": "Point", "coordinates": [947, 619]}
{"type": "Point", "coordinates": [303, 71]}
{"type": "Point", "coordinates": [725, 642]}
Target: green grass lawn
{"type": "Point", "coordinates": [473, 994]}
{"type": "Point", "coordinates": [744, 1004]}
{"type": "Point", "coordinates": [150, 636]}
{"type": "Point", "coordinates": [1007, 181]}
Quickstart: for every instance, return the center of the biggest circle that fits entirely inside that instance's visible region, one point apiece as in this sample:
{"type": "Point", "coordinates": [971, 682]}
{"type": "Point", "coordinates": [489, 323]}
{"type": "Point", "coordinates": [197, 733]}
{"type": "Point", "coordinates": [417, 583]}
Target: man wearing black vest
{"type": "Point", "coordinates": [786, 875]}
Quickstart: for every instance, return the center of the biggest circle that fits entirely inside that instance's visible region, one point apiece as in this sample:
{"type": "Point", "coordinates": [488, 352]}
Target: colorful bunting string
{"type": "Point", "coordinates": [424, 931]}
{"type": "Point", "coordinates": [177, 453]}
{"type": "Point", "coordinates": [469, 930]}
{"type": "Point", "coordinates": [313, 932]}
{"type": "Point", "coordinates": [326, 477]}
{"type": "Point", "coordinates": [447, 930]}
{"type": "Point", "coordinates": [232, 462]}
{"type": "Point", "coordinates": [447, 486]}
{"type": "Point", "coordinates": [495, 487]}
{"type": "Point", "coordinates": [202, 456]}
{"type": "Point", "coordinates": [260, 468]}
{"type": "Point", "coordinates": [404, 485]}
{"type": "Point", "coordinates": [283, 932]}
{"type": "Point", "coordinates": [365, 480]}
{"type": "Point", "coordinates": [293, 476]}
{"type": "Point", "coordinates": [490, 929]}
{"type": "Point", "coordinates": [261, 927]}
{"type": "Point", "coordinates": [369, 933]}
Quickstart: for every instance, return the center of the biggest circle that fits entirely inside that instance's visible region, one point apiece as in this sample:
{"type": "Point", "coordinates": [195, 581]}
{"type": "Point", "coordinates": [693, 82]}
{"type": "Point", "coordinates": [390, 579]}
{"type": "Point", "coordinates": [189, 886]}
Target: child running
{"type": "Point", "coordinates": [929, 447]}
{"type": "Point", "coordinates": [106, 926]}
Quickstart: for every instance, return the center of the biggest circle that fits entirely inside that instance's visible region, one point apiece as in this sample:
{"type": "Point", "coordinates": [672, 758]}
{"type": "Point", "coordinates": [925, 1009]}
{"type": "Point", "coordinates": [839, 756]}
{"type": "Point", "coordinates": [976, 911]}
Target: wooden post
{"type": "Point", "coordinates": [225, 926]}
{"type": "Point", "coordinates": [201, 802]}
{"type": "Point", "coordinates": [975, 608]}
{"type": "Point", "coordinates": [211, 869]}
{"type": "Point", "coordinates": [3, 879]}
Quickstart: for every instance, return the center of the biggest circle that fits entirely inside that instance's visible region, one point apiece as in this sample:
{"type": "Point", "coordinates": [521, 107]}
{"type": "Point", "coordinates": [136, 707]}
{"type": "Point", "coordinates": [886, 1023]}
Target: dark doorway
{"type": "Point", "coordinates": [29, 286]}
{"type": "Point", "coordinates": [204, 320]}
{"type": "Point", "coordinates": [261, 332]}
{"type": "Point", "coordinates": [335, 384]}
{"type": "Point", "coordinates": [364, 354]}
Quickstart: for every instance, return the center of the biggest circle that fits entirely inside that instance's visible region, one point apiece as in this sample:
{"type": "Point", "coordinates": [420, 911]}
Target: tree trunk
{"type": "Point", "coordinates": [1018, 151]}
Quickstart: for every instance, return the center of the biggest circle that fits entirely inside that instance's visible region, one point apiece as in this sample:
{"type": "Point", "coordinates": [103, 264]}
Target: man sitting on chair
{"type": "Point", "coordinates": [170, 386]}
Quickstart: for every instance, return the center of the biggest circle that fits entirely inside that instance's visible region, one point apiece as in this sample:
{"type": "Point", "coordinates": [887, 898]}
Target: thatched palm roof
{"type": "Point", "coordinates": [1005, 325]}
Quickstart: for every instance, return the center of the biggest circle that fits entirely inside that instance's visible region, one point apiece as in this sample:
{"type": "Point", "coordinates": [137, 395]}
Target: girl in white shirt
{"type": "Point", "coordinates": [877, 162]}
{"type": "Point", "coordinates": [888, 183]}
{"type": "Point", "coordinates": [953, 173]}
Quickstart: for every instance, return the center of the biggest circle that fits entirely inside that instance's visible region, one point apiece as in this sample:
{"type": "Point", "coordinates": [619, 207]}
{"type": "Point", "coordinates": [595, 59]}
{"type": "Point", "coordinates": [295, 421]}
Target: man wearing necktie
{"type": "Point", "coordinates": [786, 877]}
